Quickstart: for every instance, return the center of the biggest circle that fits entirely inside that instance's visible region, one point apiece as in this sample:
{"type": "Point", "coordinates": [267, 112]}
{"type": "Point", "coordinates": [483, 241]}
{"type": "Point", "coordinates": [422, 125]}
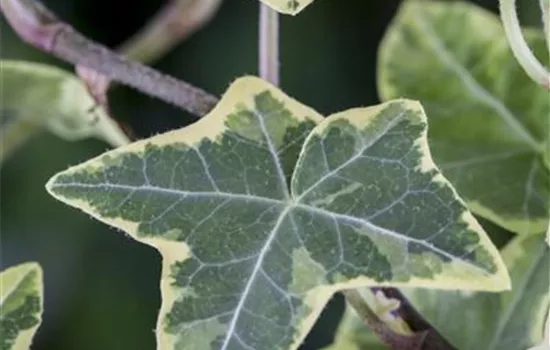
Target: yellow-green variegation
{"type": "Point", "coordinates": [263, 209]}
{"type": "Point", "coordinates": [489, 123]}
{"type": "Point", "coordinates": [504, 321]}
{"type": "Point", "coordinates": [512, 320]}
{"type": "Point", "coordinates": [289, 7]}
{"type": "Point", "coordinates": [35, 96]}
{"type": "Point", "coordinates": [21, 301]}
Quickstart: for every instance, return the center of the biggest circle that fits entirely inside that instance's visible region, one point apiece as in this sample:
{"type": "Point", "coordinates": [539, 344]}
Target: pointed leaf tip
{"type": "Point", "coordinates": [266, 209]}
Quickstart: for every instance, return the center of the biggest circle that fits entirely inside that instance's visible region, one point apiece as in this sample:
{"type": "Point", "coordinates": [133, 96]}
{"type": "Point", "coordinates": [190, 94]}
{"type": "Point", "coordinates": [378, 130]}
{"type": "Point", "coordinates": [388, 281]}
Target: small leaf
{"type": "Point", "coordinates": [20, 305]}
{"type": "Point", "coordinates": [35, 95]}
{"type": "Point", "coordinates": [262, 210]}
{"type": "Point", "coordinates": [290, 7]}
{"type": "Point", "coordinates": [488, 122]}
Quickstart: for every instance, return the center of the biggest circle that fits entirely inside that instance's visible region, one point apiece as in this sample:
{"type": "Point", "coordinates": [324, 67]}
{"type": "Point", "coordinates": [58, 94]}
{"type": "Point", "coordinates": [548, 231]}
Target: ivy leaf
{"type": "Point", "coordinates": [506, 321]}
{"type": "Point", "coordinates": [488, 122]}
{"type": "Point", "coordinates": [20, 305]}
{"type": "Point", "coordinates": [262, 210]}
{"type": "Point", "coordinates": [289, 7]}
{"type": "Point", "coordinates": [36, 95]}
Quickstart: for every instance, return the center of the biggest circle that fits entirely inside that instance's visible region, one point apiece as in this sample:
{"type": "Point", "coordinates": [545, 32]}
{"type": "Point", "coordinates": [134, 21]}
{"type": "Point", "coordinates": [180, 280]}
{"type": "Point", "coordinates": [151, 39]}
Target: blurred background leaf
{"type": "Point", "coordinates": [101, 288]}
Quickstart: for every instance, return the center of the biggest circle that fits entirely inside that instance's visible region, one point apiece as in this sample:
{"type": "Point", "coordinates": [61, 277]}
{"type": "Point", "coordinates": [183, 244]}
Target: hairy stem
{"type": "Point", "coordinates": [175, 22]}
{"type": "Point", "coordinates": [530, 64]}
{"type": "Point", "coordinates": [40, 28]}
{"type": "Point", "coordinates": [269, 44]}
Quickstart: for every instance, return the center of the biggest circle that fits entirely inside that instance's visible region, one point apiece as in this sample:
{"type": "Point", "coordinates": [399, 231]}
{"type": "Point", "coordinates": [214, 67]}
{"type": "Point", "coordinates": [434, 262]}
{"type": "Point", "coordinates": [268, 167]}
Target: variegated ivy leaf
{"type": "Point", "coordinates": [489, 123]}
{"type": "Point", "coordinates": [35, 95]}
{"type": "Point", "coordinates": [290, 7]}
{"type": "Point", "coordinates": [20, 305]}
{"type": "Point", "coordinates": [262, 210]}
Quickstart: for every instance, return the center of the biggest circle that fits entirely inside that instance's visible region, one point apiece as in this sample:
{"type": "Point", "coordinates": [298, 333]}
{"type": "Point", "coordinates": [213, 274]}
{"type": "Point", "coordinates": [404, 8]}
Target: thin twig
{"type": "Point", "coordinates": [380, 328]}
{"type": "Point", "coordinates": [525, 57]}
{"type": "Point", "coordinates": [269, 44]}
{"type": "Point", "coordinates": [175, 22]}
{"type": "Point", "coordinates": [39, 27]}
{"type": "Point", "coordinates": [417, 323]}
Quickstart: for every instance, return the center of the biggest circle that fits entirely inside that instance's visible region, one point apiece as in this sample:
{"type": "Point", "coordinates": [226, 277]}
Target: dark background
{"type": "Point", "coordinates": [101, 287]}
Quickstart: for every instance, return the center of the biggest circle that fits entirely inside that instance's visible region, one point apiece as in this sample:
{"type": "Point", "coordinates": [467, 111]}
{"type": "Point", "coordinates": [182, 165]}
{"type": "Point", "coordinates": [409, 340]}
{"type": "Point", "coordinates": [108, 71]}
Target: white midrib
{"type": "Point", "coordinates": [250, 282]}
{"type": "Point", "coordinates": [284, 187]}
{"type": "Point", "coordinates": [358, 154]}
{"type": "Point", "coordinates": [290, 204]}
{"type": "Point", "coordinates": [477, 91]}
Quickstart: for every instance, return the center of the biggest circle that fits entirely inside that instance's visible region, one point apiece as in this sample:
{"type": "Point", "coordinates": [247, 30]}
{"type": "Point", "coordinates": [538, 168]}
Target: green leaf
{"type": "Point", "coordinates": [488, 122]}
{"type": "Point", "coordinates": [487, 321]}
{"type": "Point", "coordinates": [289, 7]}
{"type": "Point", "coordinates": [262, 210]}
{"type": "Point", "coordinates": [545, 343]}
{"type": "Point", "coordinates": [35, 95]}
{"type": "Point", "coordinates": [20, 305]}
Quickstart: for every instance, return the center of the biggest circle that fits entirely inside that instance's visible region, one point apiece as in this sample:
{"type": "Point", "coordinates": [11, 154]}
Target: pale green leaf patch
{"type": "Point", "coordinates": [488, 122]}
{"type": "Point", "coordinates": [36, 96]}
{"type": "Point", "coordinates": [478, 321]}
{"type": "Point", "coordinates": [262, 210]}
{"type": "Point", "coordinates": [21, 298]}
{"type": "Point", "coordinates": [289, 7]}
{"type": "Point", "coordinates": [504, 321]}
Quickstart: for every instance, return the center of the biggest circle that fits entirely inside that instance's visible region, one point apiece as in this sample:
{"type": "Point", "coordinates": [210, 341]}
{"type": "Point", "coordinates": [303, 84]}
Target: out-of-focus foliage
{"type": "Point", "coordinates": [328, 55]}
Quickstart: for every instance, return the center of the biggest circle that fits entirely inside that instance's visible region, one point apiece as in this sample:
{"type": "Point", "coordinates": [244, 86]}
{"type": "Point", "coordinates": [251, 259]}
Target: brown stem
{"type": "Point", "coordinates": [39, 27]}
{"type": "Point", "coordinates": [433, 340]}
{"type": "Point", "coordinates": [173, 23]}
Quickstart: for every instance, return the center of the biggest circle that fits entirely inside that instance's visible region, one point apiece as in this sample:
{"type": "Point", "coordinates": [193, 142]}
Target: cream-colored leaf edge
{"type": "Point", "coordinates": [209, 127]}
{"type": "Point", "coordinates": [409, 13]}
{"type": "Point", "coordinates": [15, 275]}
{"type": "Point", "coordinates": [212, 126]}
{"type": "Point", "coordinates": [455, 279]}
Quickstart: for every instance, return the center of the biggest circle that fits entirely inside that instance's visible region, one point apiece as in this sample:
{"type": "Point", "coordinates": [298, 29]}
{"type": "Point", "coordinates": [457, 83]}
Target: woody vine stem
{"type": "Point", "coordinates": [40, 28]}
